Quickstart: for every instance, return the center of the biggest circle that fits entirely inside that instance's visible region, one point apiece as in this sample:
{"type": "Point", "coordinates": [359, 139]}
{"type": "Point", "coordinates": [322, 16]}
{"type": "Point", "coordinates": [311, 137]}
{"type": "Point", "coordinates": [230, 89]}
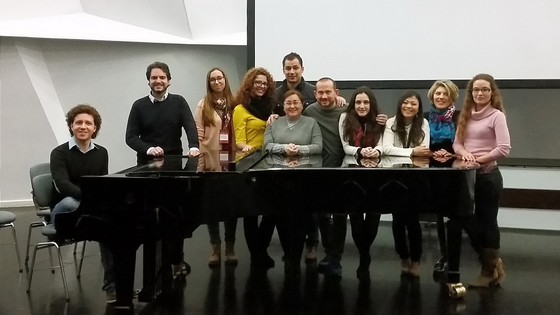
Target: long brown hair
{"type": "Point", "coordinates": [495, 101]}
{"type": "Point", "coordinates": [352, 123]}
{"type": "Point", "coordinates": [209, 108]}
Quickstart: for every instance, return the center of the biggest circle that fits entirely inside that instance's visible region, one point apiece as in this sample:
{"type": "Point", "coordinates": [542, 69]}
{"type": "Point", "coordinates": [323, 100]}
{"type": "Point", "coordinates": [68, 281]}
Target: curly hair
{"type": "Point", "coordinates": [208, 109]}
{"type": "Point", "coordinates": [416, 134]}
{"type": "Point", "coordinates": [83, 109]}
{"type": "Point", "coordinates": [351, 122]}
{"type": "Point", "coordinates": [449, 86]}
{"type": "Point", "coordinates": [495, 101]}
{"type": "Point", "coordinates": [244, 94]}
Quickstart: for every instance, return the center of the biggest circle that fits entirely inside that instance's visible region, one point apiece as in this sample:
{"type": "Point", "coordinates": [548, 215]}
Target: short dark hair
{"type": "Point", "coordinates": [83, 109]}
{"type": "Point", "coordinates": [158, 65]}
{"type": "Point", "coordinates": [292, 56]}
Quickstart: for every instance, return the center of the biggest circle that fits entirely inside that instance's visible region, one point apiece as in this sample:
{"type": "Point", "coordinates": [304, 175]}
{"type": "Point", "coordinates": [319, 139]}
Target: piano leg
{"type": "Point", "coordinates": [454, 238]}
{"type": "Point", "coordinates": [147, 294]}
{"type": "Point", "coordinates": [124, 265]}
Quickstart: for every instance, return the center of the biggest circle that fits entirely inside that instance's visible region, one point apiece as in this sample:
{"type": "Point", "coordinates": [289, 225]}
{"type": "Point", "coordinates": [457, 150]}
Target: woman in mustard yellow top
{"type": "Point", "coordinates": [255, 101]}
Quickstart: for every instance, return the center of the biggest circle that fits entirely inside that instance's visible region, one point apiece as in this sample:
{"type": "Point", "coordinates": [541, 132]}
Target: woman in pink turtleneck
{"type": "Point", "coordinates": [483, 137]}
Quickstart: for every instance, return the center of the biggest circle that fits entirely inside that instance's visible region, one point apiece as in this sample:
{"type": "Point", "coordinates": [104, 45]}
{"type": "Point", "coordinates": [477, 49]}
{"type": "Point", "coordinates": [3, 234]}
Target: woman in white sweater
{"type": "Point", "coordinates": [408, 134]}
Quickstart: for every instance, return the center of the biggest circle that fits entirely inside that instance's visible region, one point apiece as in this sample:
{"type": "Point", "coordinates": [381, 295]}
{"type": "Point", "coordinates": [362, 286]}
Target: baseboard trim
{"type": "Point", "coordinates": [16, 203]}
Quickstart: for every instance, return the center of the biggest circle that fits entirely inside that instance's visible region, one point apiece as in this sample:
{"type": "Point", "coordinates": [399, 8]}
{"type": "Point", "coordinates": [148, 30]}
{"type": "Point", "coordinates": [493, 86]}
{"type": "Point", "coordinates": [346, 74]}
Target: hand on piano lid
{"type": "Point", "coordinates": [369, 152]}
{"type": "Point", "coordinates": [421, 161]}
{"type": "Point", "coordinates": [465, 165]}
{"type": "Point", "coordinates": [421, 151]}
{"type": "Point", "coordinates": [155, 151]}
{"type": "Point", "coordinates": [442, 153]}
{"type": "Point", "coordinates": [292, 149]}
{"type": "Point", "coordinates": [193, 152]}
{"type": "Point", "coordinates": [247, 148]}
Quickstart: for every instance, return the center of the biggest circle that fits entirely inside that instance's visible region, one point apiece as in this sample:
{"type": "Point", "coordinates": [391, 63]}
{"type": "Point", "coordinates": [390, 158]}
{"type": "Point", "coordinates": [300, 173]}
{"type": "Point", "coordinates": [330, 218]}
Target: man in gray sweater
{"type": "Point", "coordinates": [332, 227]}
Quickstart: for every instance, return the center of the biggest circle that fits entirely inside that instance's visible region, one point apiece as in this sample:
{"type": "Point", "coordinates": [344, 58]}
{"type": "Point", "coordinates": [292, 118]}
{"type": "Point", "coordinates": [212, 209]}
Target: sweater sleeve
{"type": "Point", "coordinates": [503, 145]}
{"type": "Point", "coordinates": [426, 130]}
{"type": "Point", "coordinates": [189, 125]}
{"type": "Point", "coordinates": [198, 120]}
{"type": "Point", "coordinates": [348, 149]}
{"type": "Point", "coordinates": [316, 146]}
{"type": "Point", "coordinates": [60, 174]}
{"type": "Point", "coordinates": [390, 145]}
{"type": "Point", "coordinates": [132, 137]}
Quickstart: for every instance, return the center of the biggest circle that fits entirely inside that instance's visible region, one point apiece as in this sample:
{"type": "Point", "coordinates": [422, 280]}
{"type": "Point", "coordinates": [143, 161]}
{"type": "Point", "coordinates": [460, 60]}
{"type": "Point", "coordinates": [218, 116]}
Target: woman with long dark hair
{"type": "Point", "coordinates": [362, 137]}
{"type": "Point", "coordinates": [407, 134]}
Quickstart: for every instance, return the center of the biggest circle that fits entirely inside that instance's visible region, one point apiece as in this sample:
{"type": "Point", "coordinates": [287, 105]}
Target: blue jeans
{"type": "Point", "coordinates": [67, 204]}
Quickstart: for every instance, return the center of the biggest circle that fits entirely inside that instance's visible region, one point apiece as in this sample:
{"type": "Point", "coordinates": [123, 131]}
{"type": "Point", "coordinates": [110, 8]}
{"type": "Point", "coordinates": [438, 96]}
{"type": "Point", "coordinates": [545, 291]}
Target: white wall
{"type": "Point", "coordinates": [45, 77]}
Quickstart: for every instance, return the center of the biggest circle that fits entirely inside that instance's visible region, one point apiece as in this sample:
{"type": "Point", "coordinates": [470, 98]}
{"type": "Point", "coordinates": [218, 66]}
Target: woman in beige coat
{"type": "Point", "coordinates": [213, 117]}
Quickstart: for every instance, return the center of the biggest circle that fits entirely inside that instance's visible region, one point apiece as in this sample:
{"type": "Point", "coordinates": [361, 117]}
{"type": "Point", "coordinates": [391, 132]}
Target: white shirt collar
{"type": "Point", "coordinates": [153, 99]}
{"type": "Point", "coordinates": [72, 143]}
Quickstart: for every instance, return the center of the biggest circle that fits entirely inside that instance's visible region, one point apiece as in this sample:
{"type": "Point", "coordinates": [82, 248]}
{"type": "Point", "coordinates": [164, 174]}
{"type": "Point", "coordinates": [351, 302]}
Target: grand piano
{"type": "Point", "coordinates": [171, 197]}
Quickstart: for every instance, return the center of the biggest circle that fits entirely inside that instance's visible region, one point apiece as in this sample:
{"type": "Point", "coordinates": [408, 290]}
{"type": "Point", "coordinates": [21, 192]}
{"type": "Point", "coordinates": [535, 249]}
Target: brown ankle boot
{"type": "Point", "coordinates": [488, 272]}
{"type": "Point", "coordinates": [501, 273]}
{"type": "Point", "coordinates": [231, 258]}
{"type": "Point", "coordinates": [414, 270]}
{"type": "Point", "coordinates": [215, 256]}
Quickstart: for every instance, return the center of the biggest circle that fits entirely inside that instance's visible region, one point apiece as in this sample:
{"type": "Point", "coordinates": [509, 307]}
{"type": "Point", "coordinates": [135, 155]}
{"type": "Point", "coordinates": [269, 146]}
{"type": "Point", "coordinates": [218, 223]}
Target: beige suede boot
{"type": "Point", "coordinates": [488, 272]}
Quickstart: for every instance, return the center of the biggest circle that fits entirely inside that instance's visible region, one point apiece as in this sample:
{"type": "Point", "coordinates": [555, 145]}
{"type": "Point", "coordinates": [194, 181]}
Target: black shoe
{"type": "Point", "coordinates": [441, 265]}
{"type": "Point", "coordinates": [181, 270]}
{"type": "Point", "coordinates": [263, 261]}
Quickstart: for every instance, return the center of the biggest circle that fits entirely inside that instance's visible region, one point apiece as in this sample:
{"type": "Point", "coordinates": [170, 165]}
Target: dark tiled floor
{"type": "Point", "coordinates": [531, 258]}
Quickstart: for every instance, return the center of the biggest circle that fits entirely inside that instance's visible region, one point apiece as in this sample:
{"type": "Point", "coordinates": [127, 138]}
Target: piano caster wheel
{"type": "Point", "coordinates": [456, 290]}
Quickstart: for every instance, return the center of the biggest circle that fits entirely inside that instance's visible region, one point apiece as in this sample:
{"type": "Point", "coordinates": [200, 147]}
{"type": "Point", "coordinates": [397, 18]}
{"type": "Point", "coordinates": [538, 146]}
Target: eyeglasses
{"type": "Point", "coordinates": [260, 83]}
{"type": "Point", "coordinates": [293, 103]}
{"type": "Point", "coordinates": [483, 90]}
{"type": "Point", "coordinates": [216, 79]}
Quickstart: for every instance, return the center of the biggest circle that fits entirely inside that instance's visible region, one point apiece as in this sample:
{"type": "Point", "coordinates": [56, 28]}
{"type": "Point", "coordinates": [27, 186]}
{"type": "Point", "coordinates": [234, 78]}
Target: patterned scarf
{"type": "Point", "coordinates": [442, 127]}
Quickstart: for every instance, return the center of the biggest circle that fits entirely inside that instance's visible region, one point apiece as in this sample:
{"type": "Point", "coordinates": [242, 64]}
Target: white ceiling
{"type": "Point", "coordinates": [217, 22]}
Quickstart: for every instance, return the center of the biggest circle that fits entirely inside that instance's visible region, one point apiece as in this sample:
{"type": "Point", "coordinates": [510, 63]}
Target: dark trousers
{"type": "Point", "coordinates": [312, 230]}
{"type": "Point", "coordinates": [488, 190]}
{"type": "Point", "coordinates": [333, 234]}
{"type": "Point", "coordinates": [230, 227]}
{"type": "Point", "coordinates": [407, 235]}
{"type": "Point", "coordinates": [364, 230]}
{"type": "Point", "coordinates": [258, 236]}
{"type": "Point", "coordinates": [291, 228]}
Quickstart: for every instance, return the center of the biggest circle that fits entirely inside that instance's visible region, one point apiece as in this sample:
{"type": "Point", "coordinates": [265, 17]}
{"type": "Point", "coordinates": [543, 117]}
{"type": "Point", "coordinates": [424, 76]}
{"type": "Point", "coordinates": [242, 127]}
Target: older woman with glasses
{"type": "Point", "coordinates": [293, 135]}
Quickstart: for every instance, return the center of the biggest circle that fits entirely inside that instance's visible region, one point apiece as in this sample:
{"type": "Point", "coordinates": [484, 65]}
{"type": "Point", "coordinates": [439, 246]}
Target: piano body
{"type": "Point", "coordinates": [173, 196]}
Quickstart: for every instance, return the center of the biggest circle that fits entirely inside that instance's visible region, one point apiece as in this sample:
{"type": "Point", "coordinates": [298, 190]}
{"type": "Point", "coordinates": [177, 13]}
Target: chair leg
{"type": "Point", "coordinates": [32, 225]}
{"type": "Point", "coordinates": [16, 246]}
{"type": "Point", "coordinates": [82, 259]}
{"type": "Point", "coordinates": [61, 265]}
{"type": "Point", "coordinates": [75, 248]}
{"type": "Point", "coordinates": [32, 268]}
